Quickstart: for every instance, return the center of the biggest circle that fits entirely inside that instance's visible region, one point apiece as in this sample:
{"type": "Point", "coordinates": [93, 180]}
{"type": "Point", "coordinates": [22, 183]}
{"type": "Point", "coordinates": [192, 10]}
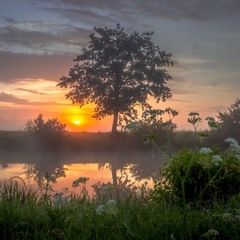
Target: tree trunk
{"type": "Point", "coordinates": [115, 120]}
{"type": "Point", "coordinates": [116, 102]}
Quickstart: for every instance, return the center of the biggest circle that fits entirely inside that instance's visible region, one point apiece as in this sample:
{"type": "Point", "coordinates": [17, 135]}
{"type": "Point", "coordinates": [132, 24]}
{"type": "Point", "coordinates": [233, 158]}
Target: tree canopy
{"type": "Point", "coordinates": [47, 132]}
{"type": "Point", "coordinates": [117, 72]}
{"type": "Point", "coordinates": [230, 121]}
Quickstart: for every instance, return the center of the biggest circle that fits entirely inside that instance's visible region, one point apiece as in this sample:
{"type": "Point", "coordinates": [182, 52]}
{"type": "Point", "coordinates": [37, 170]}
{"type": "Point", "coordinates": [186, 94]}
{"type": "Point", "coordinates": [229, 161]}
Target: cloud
{"type": "Point", "coordinates": [10, 98]}
{"type": "Point", "coordinates": [182, 86]}
{"type": "Point", "coordinates": [42, 37]}
{"type": "Point", "coordinates": [179, 100]}
{"type": "Point", "coordinates": [4, 97]}
{"type": "Point", "coordinates": [16, 66]}
{"type": "Point", "coordinates": [30, 91]}
{"type": "Point", "coordinates": [196, 10]}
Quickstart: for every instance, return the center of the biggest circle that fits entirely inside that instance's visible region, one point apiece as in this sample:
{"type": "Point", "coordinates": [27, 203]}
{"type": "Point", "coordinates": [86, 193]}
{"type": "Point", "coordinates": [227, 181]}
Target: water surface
{"type": "Point", "coordinates": [103, 167]}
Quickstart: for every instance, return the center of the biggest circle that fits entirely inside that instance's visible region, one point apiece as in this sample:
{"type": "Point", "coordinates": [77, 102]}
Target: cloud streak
{"type": "Point", "coordinates": [195, 10]}
{"type": "Point", "coordinates": [31, 91]}
{"type": "Point", "coordinates": [42, 37]}
{"type": "Point", "coordinates": [10, 98]}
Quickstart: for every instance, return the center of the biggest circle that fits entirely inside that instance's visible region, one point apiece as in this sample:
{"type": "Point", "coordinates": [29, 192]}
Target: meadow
{"type": "Point", "coordinates": [197, 198]}
{"type": "Point", "coordinates": [27, 214]}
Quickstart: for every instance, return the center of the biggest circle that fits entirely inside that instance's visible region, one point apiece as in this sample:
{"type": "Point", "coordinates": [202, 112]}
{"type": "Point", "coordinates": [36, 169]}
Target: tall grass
{"type": "Point", "coordinates": [28, 214]}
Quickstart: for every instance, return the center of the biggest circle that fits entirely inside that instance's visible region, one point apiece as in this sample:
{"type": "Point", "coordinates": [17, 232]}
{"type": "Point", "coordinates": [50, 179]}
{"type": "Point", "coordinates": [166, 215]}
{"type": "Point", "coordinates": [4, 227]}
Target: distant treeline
{"type": "Point", "coordinates": [101, 141]}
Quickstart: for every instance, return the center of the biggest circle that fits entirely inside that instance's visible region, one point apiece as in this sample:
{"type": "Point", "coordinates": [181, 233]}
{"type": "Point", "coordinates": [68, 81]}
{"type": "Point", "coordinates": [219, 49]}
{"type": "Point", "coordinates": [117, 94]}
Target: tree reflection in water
{"type": "Point", "coordinates": [141, 172]}
{"type": "Point", "coordinates": [38, 171]}
{"type": "Point", "coordinates": [126, 167]}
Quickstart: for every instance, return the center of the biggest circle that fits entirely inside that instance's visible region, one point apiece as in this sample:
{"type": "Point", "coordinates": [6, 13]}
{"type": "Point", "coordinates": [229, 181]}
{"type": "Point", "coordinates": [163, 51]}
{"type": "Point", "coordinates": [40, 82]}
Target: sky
{"type": "Point", "coordinates": [40, 38]}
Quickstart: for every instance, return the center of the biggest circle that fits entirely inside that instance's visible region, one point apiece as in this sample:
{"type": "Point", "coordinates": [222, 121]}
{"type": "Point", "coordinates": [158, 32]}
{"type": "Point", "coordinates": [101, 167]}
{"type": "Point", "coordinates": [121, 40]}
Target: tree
{"type": "Point", "coordinates": [117, 72]}
{"type": "Point", "coordinates": [47, 132]}
{"type": "Point", "coordinates": [227, 126]}
{"type": "Point", "coordinates": [229, 121]}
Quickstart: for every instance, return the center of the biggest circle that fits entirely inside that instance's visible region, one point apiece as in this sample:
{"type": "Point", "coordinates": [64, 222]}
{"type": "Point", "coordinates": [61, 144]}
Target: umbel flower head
{"type": "Point", "coordinates": [82, 180]}
{"type": "Point", "coordinates": [233, 145]}
{"type": "Point", "coordinates": [205, 150]}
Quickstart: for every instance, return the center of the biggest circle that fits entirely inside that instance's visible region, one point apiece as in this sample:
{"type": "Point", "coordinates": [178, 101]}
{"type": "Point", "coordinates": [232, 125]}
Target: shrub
{"type": "Point", "coordinates": [202, 176]}
{"type": "Point", "coordinates": [229, 125]}
{"type": "Point", "coordinates": [49, 133]}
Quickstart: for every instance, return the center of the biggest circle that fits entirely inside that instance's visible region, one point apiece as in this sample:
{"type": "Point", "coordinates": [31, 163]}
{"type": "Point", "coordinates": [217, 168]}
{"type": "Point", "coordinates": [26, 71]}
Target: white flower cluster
{"type": "Point", "coordinates": [60, 199]}
{"type": "Point", "coordinates": [205, 150]}
{"type": "Point", "coordinates": [234, 146]}
{"type": "Point", "coordinates": [216, 159]}
{"type": "Point", "coordinates": [213, 232]}
{"type": "Point", "coordinates": [229, 217]}
{"type": "Point", "coordinates": [109, 208]}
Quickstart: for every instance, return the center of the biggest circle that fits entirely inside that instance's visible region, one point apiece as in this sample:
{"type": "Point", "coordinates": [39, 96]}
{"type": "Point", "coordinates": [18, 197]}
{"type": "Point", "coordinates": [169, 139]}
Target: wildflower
{"type": "Point", "coordinates": [205, 150]}
{"type": "Point", "coordinates": [233, 144]}
{"type": "Point", "coordinates": [111, 207]}
{"type": "Point", "coordinates": [236, 148]}
{"type": "Point", "coordinates": [216, 159]}
{"type": "Point", "coordinates": [213, 232]}
{"type": "Point", "coordinates": [79, 180]}
{"type": "Point", "coordinates": [100, 209]}
{"type": "Point", "coordinates": [227, 216]}
{"type": "Point", "coordinates": [111, 203]}
{"type": "Point", "coordinates": [60, 199]}
{"type": "Point", "coordinates": [231, 141]}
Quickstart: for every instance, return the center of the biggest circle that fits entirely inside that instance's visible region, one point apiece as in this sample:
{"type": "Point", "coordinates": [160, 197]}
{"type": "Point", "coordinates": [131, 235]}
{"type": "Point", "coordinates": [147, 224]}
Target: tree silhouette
{"type": "Point", "coordinates": [49, 133]}
{"type": "Point", "coordinates": [229, 121]}
{"type": "Point", "coordinates": [117, 72]}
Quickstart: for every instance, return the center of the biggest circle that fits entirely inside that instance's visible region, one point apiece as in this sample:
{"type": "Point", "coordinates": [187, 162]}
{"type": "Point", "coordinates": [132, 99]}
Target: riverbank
{"type": "Point", "coordinates": [26, 215]}
{"type": "Point", "coordinates": [84, 141]}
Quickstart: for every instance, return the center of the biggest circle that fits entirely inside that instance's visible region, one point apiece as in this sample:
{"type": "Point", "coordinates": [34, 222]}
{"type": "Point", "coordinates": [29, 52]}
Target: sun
{"type": "Point", "coordinates": [77, 122]}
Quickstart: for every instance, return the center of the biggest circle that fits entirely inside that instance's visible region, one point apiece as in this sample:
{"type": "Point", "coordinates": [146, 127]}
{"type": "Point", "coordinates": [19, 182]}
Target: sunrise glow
{"type": "Point", "coordinates": [36, 50]}
{"type": "Point", "coordinates": [77, 122]}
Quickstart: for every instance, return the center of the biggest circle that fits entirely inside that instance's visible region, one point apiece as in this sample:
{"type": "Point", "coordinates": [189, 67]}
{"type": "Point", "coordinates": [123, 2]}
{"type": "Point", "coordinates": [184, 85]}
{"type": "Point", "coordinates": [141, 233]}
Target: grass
{"type": "Point", "coordinates": [44, 214]}
{"type": "Point", "coordinates": [28, 214]}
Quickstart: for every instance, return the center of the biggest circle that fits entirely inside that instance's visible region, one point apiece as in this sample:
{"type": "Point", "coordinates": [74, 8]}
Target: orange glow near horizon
{"type": "Point", "coordinates": [26, 105]}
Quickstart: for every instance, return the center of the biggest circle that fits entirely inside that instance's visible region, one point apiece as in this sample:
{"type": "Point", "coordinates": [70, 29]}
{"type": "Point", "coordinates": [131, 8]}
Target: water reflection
{"type": "Point", "coordinates": [38, 172]}
{"type": "Point", "coordinates": [131, 166]}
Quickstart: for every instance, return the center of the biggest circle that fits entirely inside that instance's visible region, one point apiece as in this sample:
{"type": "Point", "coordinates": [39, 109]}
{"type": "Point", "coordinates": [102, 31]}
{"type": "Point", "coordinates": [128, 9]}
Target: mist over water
{"type": "Point", "coordinates": [65, 167]}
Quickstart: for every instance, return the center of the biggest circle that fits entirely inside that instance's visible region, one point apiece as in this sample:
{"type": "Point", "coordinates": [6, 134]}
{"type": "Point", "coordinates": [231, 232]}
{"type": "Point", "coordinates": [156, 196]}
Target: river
{"type": "Point", "coordinates": [129, 167]}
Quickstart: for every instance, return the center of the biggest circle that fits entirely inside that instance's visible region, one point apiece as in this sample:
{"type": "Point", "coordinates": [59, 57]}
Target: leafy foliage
{"type": "Point", "coordinates": [229, 121]}
{"type": "Point", "coordinates": [47, 132]}
{"type": "Point", "coordinates": [153, 128]}
{"type": "Point", "coordinates": [118, 71]}
{"type": "Point", "coordinates": [228, 125]}
{"type": "Point", "coordinates": [202, 176]}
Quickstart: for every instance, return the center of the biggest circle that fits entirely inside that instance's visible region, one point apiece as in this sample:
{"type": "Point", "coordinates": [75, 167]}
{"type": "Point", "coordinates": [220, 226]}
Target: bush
{"type": "Point", "coordinates": [48, 133]}
{"type": "Point", "coordinates": [202, 176]}
{"type": "Point", "coordinates": [228, 125]}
